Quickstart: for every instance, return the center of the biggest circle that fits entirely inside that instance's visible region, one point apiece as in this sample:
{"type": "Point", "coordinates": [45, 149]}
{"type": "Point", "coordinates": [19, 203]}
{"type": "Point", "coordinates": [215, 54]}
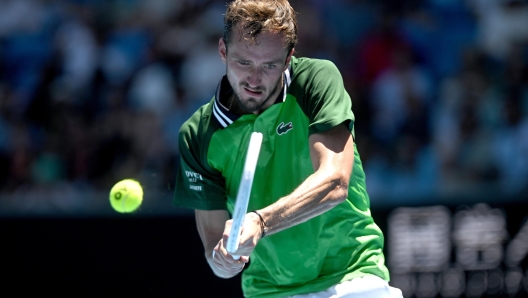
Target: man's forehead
{"type": "Point", "coordinates": [251, 36]}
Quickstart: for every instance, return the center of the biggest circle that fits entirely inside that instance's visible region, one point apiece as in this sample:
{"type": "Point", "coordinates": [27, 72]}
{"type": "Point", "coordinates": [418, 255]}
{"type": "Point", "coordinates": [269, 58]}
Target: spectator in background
{"type": "Point", "coordinates": [511, 138]}
{"type": "Point", "coordinates": [502, 25]}
{"type": "Point", "coordinates": [466, 114]}
{"type": "Point", "coordinates": [372, 56]}
{"type": "Point", "coordinates": [401, 99]}
{"type": "Point", "coordinates": [25, 27]}
{"type": "Point", "coordinates": [377, 47]}
{"type": "Point", "coordinates": [401, 102]}
{"type": "Point", "coordinates": [77, 47]}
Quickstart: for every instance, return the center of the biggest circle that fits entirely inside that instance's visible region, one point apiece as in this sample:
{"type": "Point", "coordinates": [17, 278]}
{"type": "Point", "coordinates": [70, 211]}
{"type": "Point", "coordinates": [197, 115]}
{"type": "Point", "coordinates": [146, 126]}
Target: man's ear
{"type": "Point", "coordinates": [222, 50]}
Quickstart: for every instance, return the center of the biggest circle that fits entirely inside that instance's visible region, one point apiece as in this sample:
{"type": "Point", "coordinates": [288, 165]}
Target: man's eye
{"type": "Point", "coordinates": [270, 66]}
{"type": "Point", "coordinates": [243, 62]}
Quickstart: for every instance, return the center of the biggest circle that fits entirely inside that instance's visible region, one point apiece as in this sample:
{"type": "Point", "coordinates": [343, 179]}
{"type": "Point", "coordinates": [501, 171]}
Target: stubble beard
{"type": "Point", "coordinates": [251, 104]}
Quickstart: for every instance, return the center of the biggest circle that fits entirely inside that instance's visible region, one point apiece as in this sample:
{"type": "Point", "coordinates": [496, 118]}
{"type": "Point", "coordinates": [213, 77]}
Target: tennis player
{"type": "Point", "coordinates": [309, 231]}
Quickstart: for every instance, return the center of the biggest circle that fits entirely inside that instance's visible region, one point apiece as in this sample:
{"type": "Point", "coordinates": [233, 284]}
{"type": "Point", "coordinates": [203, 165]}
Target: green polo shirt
{"type": "Point", "coordinates": [335, 246]}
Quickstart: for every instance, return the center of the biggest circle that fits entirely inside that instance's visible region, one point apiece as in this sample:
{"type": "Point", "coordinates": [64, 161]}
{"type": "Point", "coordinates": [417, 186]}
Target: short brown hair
{"type": "Point", "coordinates": [260, 15]}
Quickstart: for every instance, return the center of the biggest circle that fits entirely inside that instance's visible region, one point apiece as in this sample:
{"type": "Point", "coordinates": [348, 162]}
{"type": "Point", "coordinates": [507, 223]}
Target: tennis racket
{"type": "Point", "coordinates": [244, 191]}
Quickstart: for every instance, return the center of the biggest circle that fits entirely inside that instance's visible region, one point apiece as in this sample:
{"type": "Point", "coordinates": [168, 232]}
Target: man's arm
{"type": "Point", "coordinates": [332, 156]}
{"type": "Point", "coordinates": [212, 226]}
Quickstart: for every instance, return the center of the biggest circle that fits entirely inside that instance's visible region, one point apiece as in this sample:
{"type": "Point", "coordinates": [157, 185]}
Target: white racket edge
{"type": "Point", "coordinates": [244, 192]}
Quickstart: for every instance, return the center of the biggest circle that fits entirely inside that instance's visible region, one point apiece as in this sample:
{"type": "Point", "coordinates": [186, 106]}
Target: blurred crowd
{"type": "Point", "coordinates": [95, 91]}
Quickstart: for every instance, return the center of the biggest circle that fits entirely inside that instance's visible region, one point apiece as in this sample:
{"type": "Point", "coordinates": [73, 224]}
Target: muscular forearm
{"type": "Point", "coordinates": [332, 155]}
{"type": "Point", "coordinates": [317, 194]}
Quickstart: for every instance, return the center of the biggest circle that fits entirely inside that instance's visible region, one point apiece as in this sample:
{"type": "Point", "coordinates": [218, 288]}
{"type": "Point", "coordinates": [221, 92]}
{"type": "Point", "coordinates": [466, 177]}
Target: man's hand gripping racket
{"type": "Point", "coordinates": [244, 192]}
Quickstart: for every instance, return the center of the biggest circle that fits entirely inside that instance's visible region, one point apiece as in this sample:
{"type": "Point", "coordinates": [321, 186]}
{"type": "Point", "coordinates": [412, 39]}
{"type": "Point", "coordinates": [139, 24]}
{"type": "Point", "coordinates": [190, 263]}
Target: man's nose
{"type": "Point", "coordinates": [254, 77]}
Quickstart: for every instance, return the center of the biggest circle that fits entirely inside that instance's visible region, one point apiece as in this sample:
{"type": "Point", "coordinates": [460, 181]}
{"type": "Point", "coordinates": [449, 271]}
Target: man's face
{"type": "Point", "coordinates": [255, 70]}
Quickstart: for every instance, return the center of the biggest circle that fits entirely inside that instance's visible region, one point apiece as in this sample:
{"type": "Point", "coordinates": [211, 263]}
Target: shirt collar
{"type": "Point", "coordinates": [223, 116]}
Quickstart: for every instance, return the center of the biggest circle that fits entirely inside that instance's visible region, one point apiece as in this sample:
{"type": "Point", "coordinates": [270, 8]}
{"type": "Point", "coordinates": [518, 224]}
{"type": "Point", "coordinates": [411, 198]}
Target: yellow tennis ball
{"type": "Point", "coordinates": [126, 196]}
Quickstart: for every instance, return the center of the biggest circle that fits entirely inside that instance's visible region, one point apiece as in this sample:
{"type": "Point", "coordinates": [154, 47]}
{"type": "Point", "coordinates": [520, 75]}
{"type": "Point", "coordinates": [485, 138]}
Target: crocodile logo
{"type": "Point", "coordinates": [284, 128]}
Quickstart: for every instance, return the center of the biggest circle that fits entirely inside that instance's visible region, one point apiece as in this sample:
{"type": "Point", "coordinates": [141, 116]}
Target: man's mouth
{"type": "Point", "coordinates": [253, 92]}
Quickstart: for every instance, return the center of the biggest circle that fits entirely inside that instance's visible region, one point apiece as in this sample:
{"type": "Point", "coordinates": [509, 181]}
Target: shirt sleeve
{"type": "Point", "coordinates": [198, 186]}
{"type": "Point", "coordinates": [324, 99]}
